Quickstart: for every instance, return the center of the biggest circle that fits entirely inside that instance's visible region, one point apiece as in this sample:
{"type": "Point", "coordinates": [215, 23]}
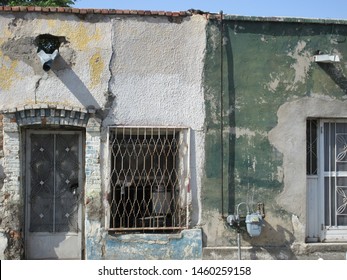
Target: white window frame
{"type": "Point", "coordinates": [183, 180]}
{"type": "Point", "coordinates": [317, 230]}
{"type": "Point", "coordinates": [329, 233]}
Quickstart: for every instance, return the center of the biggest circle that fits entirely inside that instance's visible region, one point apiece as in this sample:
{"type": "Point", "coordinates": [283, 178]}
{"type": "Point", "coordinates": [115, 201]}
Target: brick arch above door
{"type": "Point", "coordinates": [51, 115]}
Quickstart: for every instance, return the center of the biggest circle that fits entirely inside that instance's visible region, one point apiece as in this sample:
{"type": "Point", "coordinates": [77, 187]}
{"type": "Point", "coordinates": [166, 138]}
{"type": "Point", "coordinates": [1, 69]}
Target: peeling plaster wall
{"type": "Point", "coordinates": [270, 86]}
{"type": "Point", "coordinates": [135, 70]}
{"type": "Point", "coordinates": [80, 73]}
{"type": "Point", "coordinates": [245, 95]}
{"type": "Point", "coordinates": [292, 125]}
{"type": "Point", "coordinates": [157, 71]}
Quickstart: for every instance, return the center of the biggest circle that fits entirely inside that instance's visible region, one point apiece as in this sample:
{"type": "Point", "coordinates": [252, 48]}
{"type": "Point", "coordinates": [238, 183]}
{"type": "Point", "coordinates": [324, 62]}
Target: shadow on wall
{"type": "Point", "coordinates": [75, 85]}
{"type": "Point", "coordinates": [335, 72]}
{"type": "Point", "coordinates": [193, 181]}
{"type": "Point", "coordinates": [277, 240]}
{"type": "Point", "coordinates": [2, 176]}
{"type": "Point", "coordinates": [231, 123]}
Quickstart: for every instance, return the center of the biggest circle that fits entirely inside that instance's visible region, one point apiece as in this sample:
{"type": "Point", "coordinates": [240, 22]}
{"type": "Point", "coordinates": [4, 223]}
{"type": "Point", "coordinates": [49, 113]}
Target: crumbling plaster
{"type": "Point", "coordinates": [157, 80]}
{"type": "Point", "coordinates": [80, 74]}
{"type": "Point", "coordinates": [137, 70]}
{"type": "Point", "coordinates": [289, 137]}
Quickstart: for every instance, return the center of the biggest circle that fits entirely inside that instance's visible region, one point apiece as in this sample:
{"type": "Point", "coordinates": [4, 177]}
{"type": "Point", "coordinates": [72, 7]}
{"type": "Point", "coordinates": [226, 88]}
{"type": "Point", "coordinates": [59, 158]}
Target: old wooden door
{"type": "Point", "coordinates": [53, 194]}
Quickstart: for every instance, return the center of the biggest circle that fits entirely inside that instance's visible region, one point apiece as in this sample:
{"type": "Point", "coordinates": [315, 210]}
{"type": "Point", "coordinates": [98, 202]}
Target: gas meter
{"type": "Point", "coordinates": [254, 223]}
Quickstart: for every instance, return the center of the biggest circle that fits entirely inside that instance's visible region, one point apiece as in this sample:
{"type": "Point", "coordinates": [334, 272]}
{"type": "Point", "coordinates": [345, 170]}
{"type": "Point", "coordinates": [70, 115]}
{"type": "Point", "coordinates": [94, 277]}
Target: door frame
{"type": "Point", "coordinates": [328, 233]}
{"type": "Point", "coordinates": [26, 132]}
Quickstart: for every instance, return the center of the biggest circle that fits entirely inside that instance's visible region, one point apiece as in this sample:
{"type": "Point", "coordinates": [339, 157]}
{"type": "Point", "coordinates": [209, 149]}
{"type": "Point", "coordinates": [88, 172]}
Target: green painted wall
{"type": "Point", "coordinates": [264, 64]}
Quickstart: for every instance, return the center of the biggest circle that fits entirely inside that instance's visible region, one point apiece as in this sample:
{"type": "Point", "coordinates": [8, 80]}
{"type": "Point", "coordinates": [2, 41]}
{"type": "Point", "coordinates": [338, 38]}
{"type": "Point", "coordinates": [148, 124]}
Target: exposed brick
{"type": "Point", "coordinates": [16, 9]}
{"type": "Point", "coordinates": [112, 11]}
{"type": "Point", "coordinates": [90, 11]}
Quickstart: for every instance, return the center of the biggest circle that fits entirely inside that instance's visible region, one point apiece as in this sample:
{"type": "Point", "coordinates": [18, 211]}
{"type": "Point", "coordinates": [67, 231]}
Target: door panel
{"type": "Point", "coordinates": [335, 180]}
{"type": "Point", "coordinates": [53, 176]}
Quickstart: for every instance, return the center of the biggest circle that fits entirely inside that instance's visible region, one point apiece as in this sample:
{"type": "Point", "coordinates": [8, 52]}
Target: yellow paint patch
{"type": "Point", "coordinates": [8, 73]}
{"type": "Point", "coordinates": [51, 23]}
{"type": "Point", "coordinates": [81, 34]}
{"type": "Point", "coordinates": [96, 68]}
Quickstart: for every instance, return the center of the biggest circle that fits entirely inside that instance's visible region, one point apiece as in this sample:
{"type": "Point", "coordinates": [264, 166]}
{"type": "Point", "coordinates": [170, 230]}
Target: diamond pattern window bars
{"type": "Point", "coordinates": [149, 178]}
{"type": "Point", "coordinates": [335, 171]}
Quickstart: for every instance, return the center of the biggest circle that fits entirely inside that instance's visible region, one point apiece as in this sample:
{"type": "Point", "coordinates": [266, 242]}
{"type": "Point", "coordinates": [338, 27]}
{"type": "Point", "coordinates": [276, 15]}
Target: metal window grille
{"type": "Point", "coordinates": [149, 178]}
{"type": "Point", "coordinates": [335, 174]}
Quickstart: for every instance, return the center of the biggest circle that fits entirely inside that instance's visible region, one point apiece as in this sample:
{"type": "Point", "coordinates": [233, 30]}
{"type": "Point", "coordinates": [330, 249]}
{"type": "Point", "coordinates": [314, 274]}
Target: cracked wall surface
{"type": "Point", "coordinates": [259, 92]}
{"type": "Point", "coordinates": [112, 70]}
{"type": "Point", "coordinates": [78, 76]}
{"type": "Point", "coordinates": [245, 94]}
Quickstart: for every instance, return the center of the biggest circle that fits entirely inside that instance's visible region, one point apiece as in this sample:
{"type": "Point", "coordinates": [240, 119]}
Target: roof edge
{"type": "Point", "coordinates": [72, 10]}
{"type": "Point", "coordinates": [211, 16]}
{"type": "Point", "coordinates": [285, 19]}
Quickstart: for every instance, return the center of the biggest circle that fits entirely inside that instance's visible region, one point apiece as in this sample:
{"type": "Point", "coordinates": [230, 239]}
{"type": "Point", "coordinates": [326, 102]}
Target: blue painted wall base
{"type": "Point", "coordinates": [186, 245]}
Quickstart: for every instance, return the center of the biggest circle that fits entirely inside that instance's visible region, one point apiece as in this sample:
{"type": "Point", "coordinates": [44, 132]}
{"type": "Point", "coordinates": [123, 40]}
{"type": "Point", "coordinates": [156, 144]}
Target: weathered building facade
{"type": "Point", "coordinates": [135, 135]}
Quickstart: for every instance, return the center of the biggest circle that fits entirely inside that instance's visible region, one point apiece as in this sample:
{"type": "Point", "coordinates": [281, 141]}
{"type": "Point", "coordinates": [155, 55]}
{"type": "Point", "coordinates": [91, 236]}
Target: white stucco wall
{"type": "Point", "coordinates": [157, 81]}
{"type": "Point", "coordinates": [157, 72]}
{"type": "Point", "coordinates": [151, 67]}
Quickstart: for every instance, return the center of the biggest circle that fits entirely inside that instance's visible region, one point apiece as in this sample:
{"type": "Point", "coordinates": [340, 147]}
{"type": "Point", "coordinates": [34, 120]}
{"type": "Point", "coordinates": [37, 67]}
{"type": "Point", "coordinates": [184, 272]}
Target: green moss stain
{"type": "Point", "coordinates": [265, 64]}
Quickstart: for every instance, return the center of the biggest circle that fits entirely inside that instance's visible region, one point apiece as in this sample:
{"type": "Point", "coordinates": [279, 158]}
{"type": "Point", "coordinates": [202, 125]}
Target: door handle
{"type": "Point", "coordinates": [73, 189]}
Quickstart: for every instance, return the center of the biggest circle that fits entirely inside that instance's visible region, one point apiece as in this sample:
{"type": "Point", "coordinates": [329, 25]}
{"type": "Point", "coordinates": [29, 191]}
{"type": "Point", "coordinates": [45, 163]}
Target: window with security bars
{"type": "Point", "coordinates": [326, 180]}
{"type": "Point", "coordinates": [149, 182]}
